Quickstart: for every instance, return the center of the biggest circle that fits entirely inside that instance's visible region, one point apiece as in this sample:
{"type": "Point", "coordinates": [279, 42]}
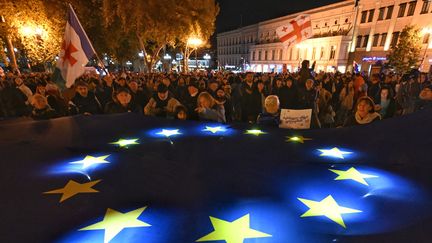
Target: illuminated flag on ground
{"type": "Point", "coordinates": [296, 30]}
{"type": "Point", "coordinates": [76, 51]}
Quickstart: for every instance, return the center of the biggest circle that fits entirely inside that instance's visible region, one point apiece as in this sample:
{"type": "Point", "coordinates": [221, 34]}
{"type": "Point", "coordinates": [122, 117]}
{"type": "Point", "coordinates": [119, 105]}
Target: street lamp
{"type": "Point", "coordinates": [195, 43]}
{"type": "Point", "coordinates": [427, 31]}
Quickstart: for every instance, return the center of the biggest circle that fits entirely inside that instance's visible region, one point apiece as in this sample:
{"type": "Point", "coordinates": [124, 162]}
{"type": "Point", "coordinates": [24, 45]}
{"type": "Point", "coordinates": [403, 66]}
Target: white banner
{"type": "Point", "coordinates": [295, 119]}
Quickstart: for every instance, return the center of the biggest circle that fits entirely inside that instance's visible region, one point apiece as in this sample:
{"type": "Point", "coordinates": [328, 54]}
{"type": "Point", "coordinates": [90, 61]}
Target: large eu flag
{"type": "Point", "coordinates": [130, 178]}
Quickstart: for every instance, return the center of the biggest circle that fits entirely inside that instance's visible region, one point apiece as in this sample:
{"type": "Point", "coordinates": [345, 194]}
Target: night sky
{"type": "Point", "coordinates": [254, 11]}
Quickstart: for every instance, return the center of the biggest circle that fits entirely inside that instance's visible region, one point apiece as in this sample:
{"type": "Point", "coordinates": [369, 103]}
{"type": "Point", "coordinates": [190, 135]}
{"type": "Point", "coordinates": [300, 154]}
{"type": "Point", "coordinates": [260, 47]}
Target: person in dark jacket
{"type": "Point", "coordinates": [364, 114]}
{"type": "Point", "coordinates": [251, 104]}
{"type": "Point", "coordinates": [271, 116]}
{"type": "Point", "coordinates": [308, 98]}
{"type": "Point", "coordinates": [374, 88]}
{"type": "Point", "coordinates": [386, 104]}
{"type": "Point", "coordinates": [14, 101]}
{"type": "Point", "coordinates": [190, 101]}
{"type": "Point", "coordinates": [222, 99]}
{"type": "Point", "coordinates": [425, 101]}
{"type": "Point", "coordinates": [138, 96]}
{"type": "Point", "coordinates": [122, 103]}
{"type": "Point", "coordinates": [288, 95]}
{"type": "Point", "coordinates": [85, 102]}
{"type": "Point", "coordinates": [41, 110]}
{"type": "Point", "coordinates": [209, 110]}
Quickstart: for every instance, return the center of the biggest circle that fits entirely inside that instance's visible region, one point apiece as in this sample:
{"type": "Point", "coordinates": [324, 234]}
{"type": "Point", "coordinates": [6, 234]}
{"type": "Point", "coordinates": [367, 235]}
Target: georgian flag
{"type": "Point", "coordinates": [76, 51]}
{"type": "Point", "coordinates": [296, 31]}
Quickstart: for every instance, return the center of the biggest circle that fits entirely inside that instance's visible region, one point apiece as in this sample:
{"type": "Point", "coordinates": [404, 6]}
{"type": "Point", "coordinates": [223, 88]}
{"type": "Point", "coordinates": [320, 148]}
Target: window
{"type": "Point", "coordinates": [363, 17]}
{"type": "Point", "coordinates": [402, 8]}
{"type": "Point", "coordinates": [371, 15]}
{"type": "Point", "coordinates": [375, 40]}
{"type": "Point", "coordinates": [425, 7]}
{"type": "Point", "coordinates": [313, 53]}
{"type": "Point", "coordinates": [291, 54]}
{"type": "Point", "coordinates": [332, 52]}
{"type": "Point", "coordinates": [266, 55]}
{"type": "Point", "coordinates": [322, 53]}
{"type": "Point", "coordinates": [365, 41]}
{"type": "Point", "coordinates": [280, 54]}
{"type": "Point", "coordinates": [411, 8]}
{"type": "Point", "coordinates": [395, 38]}
{"type": "Point", "coordinates": [298, 53]}
{"type": "Point", "coordinates": [383, 39]}
{"type": "Point", "coordinates": [390, 12]}
{"type": "Point", "coordinates": [359, 39]}
{"type": "Point", "coordinates": [259, 56]}
{"type": "Point", "coordinates": [253, 56]}
{"type": "Point", "coordinates": [426, 38]}
{"type": "Point", "coordinates": [381, 14]}
{"type": "Point", "coordinates": [273, 54]}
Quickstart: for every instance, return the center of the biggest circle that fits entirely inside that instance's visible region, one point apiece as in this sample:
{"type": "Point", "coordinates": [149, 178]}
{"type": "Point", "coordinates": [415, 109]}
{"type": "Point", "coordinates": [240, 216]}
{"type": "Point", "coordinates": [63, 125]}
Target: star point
{"type": "Point", "coordinates": [297, 139]}
{"type": "Point", "coordinates": [327, 207]}
{"type": "Point", "coordinates": [88, 161]}
{"type": "Point", "coordinates": [334, 152]}
{"type": "Point", "coordinates": [232, 232]}
{"type": "Point", "coordinates": [125, 142]}
{"type": "Point", "coordinates": [352, 174]}
{"type": "Point", "coordinates": [114, 222]}
{"type": "Point", "coordinates": [168, 133]}
{"type": "Point", "coordinates": [255, 132]}
{"type": "Point", "coordinates": [73, 188]}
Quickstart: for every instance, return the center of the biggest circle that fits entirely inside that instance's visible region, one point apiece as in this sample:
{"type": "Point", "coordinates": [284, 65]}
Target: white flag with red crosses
{"type": "Point", "coordinates": [296, 30]}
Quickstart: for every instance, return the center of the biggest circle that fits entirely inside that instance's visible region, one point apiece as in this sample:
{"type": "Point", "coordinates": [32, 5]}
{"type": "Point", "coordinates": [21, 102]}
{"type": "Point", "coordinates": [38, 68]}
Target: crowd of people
{"type": "Point", "coordinates": [335, 99]}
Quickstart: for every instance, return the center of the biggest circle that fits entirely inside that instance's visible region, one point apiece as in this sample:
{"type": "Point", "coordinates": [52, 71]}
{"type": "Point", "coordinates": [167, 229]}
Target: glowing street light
{"type": "Point", "coordinates": [195, 43]}
{"type": "Point", "coordinates": [167, 57]}
{"type": "Point", "coordinates": [207, 56]}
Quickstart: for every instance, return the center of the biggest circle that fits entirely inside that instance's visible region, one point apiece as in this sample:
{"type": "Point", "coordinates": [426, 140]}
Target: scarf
{"type": "Point", "coordinates": [367, 119]}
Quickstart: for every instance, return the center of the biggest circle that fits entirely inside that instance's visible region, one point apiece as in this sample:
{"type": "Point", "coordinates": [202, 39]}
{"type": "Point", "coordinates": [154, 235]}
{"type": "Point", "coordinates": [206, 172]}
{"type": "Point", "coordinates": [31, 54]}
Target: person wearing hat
{"type": "Point", "coordinates": [84, 101]}
{"type": "Point", "coordinates": [408, 93]}
{"type": "Point", "coordinates": [191, 100]}
{"type": "Point", "coordinates": [122, 103]}
{"type": "Point", "coordinates": [365, 113]}
{"type": "Point", "coordinates": [161, 104]}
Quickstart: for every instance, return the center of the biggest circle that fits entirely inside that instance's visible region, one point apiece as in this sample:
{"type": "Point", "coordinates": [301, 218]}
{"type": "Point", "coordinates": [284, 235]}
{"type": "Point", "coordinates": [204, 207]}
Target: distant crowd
{"type": "Point", "coordinates": [336, 99]}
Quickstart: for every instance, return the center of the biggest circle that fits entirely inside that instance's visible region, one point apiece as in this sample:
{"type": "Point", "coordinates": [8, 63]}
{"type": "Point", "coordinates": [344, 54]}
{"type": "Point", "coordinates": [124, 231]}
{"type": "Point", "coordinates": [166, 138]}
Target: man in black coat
{"type": "Point", "coordinates": [251, 104]}
{"type": "Point", "coordinates": [85, 102]}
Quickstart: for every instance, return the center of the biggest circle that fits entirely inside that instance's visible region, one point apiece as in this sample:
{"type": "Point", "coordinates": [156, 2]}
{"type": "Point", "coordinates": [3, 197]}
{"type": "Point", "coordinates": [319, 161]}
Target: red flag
{"type": "Point", "coordinates": [296, 31]}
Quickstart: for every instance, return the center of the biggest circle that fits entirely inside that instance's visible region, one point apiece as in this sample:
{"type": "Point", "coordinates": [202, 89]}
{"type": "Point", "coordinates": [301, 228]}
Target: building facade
{"type": "Point", "coordinates": [342, 33]}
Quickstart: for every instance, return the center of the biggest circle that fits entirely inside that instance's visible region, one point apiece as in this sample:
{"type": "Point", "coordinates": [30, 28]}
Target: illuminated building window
{"type": "Point", "coordinates": [359, 39]}
{"type": "Point", "coordinates": [375, 40]}
{"type": "Point", "coordinates": [425, 7]}
{"type": "Point", "coordinates": [332, 52]}
{"type": "Point", "coordinates": [371, 15]}
{"type": "Point", "coordinates": [395, 39]}
{"type": "Point", "coordinates": [390, 12]}
{"type": "Point", "coordinates": [402, 8]}
{"type": "Point", "coordinates": [253, 56]}
{"type": "Point", "coordinates": [313, 53]}
{"type": "Point", "coordinates": [322, 53]}
{"type": "Point", "coordinates": [280, 55]}
{"type": "Point", "coordinates": [365, 41]}
{"type": "Point", "coordinates": [381, 14]}
{"type": "Point", "coordinates": [259, 56]}
{"type": "Point", "coordinates": [273, 54]}
{"type": "Point", "coordinates": [266, 55]}
{"type": "Point", "coordinates": [411, 8]}
{"type": "Point", "coordinates": [383, 39]}
{"type": "Point", "coordinates": [363, 17]}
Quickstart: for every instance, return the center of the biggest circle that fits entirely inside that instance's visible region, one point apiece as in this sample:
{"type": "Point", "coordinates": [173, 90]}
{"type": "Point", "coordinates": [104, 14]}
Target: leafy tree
{"type": "Point", "coordinates": [405, 55]}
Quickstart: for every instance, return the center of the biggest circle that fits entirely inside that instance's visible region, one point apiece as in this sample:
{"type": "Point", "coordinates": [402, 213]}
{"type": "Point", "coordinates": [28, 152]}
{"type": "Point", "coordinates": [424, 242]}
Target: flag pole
{"type": "Point", "coordinates": [88, 40]}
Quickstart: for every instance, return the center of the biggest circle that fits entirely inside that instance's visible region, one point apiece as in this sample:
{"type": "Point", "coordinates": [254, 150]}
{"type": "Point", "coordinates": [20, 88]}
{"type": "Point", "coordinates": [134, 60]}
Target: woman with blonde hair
{"type": "Point", "coordinates": [208, 109]}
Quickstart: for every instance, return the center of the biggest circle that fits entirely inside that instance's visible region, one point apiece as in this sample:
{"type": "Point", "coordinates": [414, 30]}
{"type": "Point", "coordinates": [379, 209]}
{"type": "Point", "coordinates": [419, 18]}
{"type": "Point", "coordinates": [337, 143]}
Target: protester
{"type": "Point", "coordinates": [209, 110]}
{"type": "Point", "coordinates": [122, 103]}
{"type": "Point", "coordinates": [364, 114]}
{"type": "Point", "coordinates": [161, 104]}
{"type": "Point", "coordinates": [386, 104]}
{"type": "Point", "coordinates": [271, 115]}
{"type": "Point", "coordinates": [41, 109]}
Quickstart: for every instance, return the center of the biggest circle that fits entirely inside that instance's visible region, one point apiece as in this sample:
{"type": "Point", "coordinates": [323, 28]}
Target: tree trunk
{"type": "Point", "coordinates": [11, 52]}
{"type": "Point", "coordinates": [3, 54]}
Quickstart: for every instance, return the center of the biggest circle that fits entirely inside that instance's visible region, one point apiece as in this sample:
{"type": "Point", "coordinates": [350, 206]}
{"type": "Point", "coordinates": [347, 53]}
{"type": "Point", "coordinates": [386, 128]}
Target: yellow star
{"type": "Point", "coordinates": [125, 142]}
{"type": "Point", "coordinates": [327, 207]}
{"type": "Point", "coordinates": [214, 129]}
{"type": "Point", "coordinates": [255, 132]}
{"type": "Point", "coordinates": [297, 139]}
{"type": "Point", "coordinates": [352, 174]}
{"type": "Point", "coordinates": [114, 222]}
{"type": "Point", "coordinates": [90, 160]}
{"type": "Point", "coordinates": [232, 232]}
{"type": "Point", "coordinates": [334, 152]}
{"type": "Point", "coordinates": [72, 188]}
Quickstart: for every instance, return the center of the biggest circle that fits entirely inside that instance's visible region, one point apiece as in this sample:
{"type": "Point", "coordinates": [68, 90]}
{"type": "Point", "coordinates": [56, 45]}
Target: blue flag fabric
{"type": "Point", "coordinates": [205, 183]}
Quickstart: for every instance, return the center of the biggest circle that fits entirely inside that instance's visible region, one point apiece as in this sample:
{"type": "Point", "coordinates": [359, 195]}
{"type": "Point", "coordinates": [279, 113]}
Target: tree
{"type": "Point", "coordinates": [160, 23]}
{"type": "Point", "coordinates": [405, 55]}
{"type": "Point", "coordinates": [29, 26]}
